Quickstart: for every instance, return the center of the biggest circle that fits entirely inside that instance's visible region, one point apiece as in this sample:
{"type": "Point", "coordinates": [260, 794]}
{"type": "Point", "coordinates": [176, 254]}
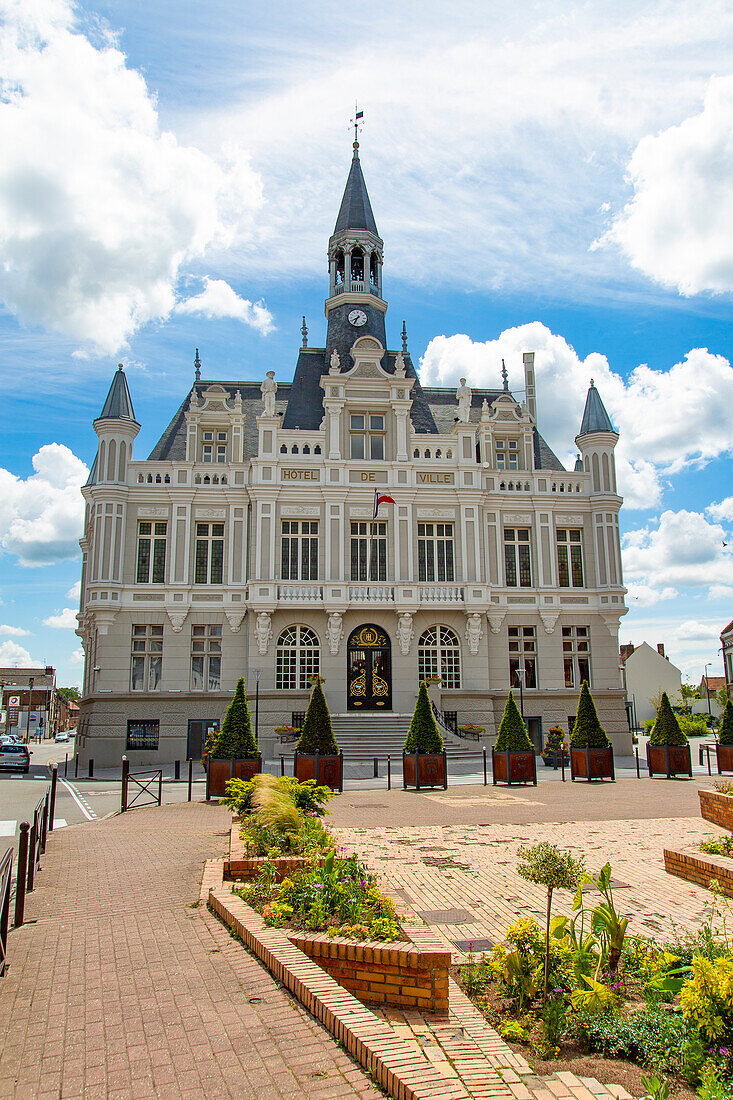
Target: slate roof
{"type": "Point", "coordinates": [118, 405]}
{"type": "Point", "coordinates": [356, 210]}
{"type": "Point", "coordinates": [595, 417]}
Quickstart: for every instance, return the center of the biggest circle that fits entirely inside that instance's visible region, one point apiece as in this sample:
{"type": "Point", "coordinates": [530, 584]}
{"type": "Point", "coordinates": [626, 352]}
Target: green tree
{"type": "Point", "coordinates": [725, 733]}
{"type": "Point", "coordinates": [512, 731]}
{"type": "Point", "coordinates": [316, 734]}
{"type": "Point", "coordinates": [587, 731]}
{"type": "Point", "coordinates": [721, 697]}
{"type": "Point", "coordinates": [69, 693]}
{"type": "Point", "coordinates": [666, 729]}
{"type": "Point", "coordinates": [688, 693]}
{"type": "Point", "coordinates": [547, 866]}
{"type": "Point", "coordinates": [423, 734]}
{"type": "Point", "coordinates": [235, 738]}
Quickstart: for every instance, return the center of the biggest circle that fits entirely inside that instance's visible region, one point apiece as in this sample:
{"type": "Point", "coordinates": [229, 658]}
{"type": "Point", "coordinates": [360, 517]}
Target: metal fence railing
{"type": "Point", "coordinates": [6, 876]}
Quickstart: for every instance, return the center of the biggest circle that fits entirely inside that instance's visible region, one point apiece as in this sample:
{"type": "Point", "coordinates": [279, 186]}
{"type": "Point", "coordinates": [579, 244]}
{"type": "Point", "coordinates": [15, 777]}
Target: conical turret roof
{"type": "Point", "coordinates": [595, 417]}
{"type": "Point", "coordinates": [118, 405]}
{"type": "Point", "coordinates": [356, 210]}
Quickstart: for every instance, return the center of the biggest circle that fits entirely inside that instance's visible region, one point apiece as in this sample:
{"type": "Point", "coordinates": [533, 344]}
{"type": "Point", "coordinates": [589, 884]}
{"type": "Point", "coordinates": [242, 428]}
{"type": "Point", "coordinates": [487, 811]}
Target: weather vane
{"type": "Point", "coordinates": [356, 121]}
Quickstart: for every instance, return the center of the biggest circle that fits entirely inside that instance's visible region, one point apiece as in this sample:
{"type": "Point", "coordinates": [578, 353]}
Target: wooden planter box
{"type": "Point", "coordinates": [424, 769]}
{"type": "Point", "coordinates": [669, 760]}
{"type": "Point", "coordinates": [328, 771]}
{"type": "Point", "coordinates": [219, 773]}
{"type": "Point", "coordinates": [724, 754]}
{"type": "Point", "coordinates": [592, 764]}
{"type": "Point", "coordinates": [514, 767]}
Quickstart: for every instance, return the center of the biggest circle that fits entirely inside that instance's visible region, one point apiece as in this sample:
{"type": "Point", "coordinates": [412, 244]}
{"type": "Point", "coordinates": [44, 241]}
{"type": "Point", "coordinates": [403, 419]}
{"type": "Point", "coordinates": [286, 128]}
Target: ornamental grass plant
{"type": "Point", "coordinates": [513, 734]}
{"type": "Point", "coordinates": [666, 729]}
{"type": "Point", "coordinates": [236, 737]}
{"type": "Point", "coordinates": [316, 734]}
{"type": "Point", "coordinates": [588, 733]}
{"type": "Point", "coordinates": [423, 735]}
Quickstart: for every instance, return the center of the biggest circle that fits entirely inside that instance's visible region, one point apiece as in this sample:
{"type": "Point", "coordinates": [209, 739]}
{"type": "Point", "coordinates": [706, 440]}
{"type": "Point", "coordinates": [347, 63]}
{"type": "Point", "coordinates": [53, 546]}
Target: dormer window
{"type": "Point", "coordinates": [366, 434]}
{"type": "Point", "coordinates": [507, 454]}
{"type": "Point", "coordinates": [207, 452]}
{"type": "Point", "coordinates": [221, 446]}
{"type": "Point", "coordinates": [214, 447]}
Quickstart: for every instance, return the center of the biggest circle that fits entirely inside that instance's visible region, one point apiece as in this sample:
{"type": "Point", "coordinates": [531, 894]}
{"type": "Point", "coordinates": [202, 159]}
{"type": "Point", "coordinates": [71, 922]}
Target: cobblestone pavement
{"type": "Point", "coordinates": [120, 988]}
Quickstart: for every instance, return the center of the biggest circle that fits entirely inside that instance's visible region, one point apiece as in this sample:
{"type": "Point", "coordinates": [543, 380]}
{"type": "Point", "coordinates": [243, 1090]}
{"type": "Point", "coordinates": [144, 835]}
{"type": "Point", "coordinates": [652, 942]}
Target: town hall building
{"type": "Point", "coordinates": [246, 544]}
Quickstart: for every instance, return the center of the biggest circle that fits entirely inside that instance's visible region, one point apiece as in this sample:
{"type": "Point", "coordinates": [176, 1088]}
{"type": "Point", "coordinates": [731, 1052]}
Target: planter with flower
{"type": "Point", "coordinates": [317, 755]}
{"type": "Point", "coordinates": [423, 757]}
{"type": "Point", "coordinates": [724, 744]}
{"type": "Point", "coordinates": [591, 753]}
{"type": "Point", "coordinates": [471, 731]}
{"type": "Point", "coordinates": [287, 733]}
{"type": "Point", "coordinates": [555, 752]}
{"type": "Point", "coordinates": [234, 753]}
{"type": "Point", "coordinates": [667, 750]}
{"type": "Point", "coordinates": [512, 757]}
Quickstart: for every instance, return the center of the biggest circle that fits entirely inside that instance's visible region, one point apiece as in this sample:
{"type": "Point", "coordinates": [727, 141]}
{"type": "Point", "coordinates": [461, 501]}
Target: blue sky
{"type": "Point", "coordinates": [552, 178]}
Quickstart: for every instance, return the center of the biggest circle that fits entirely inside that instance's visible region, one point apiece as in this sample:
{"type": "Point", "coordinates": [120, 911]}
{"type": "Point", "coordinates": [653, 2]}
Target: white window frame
{"type": "Point", "coordinates": [209, 551]}
{"type": "Point", "coordinates": [436, 553]}
{"type": "Point", "coordinates": [299, 549]}
{"type": "Point", "coordinates": [206, 657]}
{"type": "Point", "coordinates": [567, 539]}
{"type": "Point", "coordinates": [297, 658]}
{"type": "Point", "coordinates": [373, 437]}
{"type": "Point", "coordinates": [576, 656]}
{"type": "Point", "coordinates": [146, 657]}
{"type": "Point", "coordinates": [151, 534]}
{"type": "Point", "coordinates": [439, 654]}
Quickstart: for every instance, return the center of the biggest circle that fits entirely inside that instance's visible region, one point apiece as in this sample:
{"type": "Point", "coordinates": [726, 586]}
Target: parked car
{"type": "Point", "coordinates": [61, 735]}
{"type": "Point", "coordinates": [14, 756]}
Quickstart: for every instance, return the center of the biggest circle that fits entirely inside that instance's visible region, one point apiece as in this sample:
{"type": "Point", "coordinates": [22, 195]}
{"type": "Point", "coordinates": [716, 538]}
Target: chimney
{"type": "Point", "coordinates": [626, 650]}
{"type": "Point", "coordinates": [660, 649]}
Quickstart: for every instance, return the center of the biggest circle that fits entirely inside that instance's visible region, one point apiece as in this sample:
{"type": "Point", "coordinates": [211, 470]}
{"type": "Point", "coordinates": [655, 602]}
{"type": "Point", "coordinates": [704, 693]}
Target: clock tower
{"type": "Point", "coordinates": [354, 306]}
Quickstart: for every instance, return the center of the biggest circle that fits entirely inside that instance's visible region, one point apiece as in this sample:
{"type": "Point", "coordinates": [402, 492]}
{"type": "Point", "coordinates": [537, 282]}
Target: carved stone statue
{"type": "Point", "coordinates": [263, 631]}
{"type": "Point", "coordinates": [335, 363]}
{"type": "Point", "coordinates": [463, 396]}
{"type": "Point", "coordinates": [335, 632]}
{"type": "Point", "coordinates": [399, 365]}
{"type": "Point", "coordinates": [405, 633]}
{"type": "Point", "coordinates": [474, 632]}
{"type": "Point", "coordinates": [268, 389]}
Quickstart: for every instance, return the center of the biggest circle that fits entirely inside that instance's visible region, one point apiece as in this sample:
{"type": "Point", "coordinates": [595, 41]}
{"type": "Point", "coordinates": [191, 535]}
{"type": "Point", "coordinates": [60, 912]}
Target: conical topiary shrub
{"type": "Point", "coordinates": [588, 733]}
{"type": "Point", "coordinates": [725, 733]}
{"type": "Point", "coordinates": [666, 729]}
{"type": "Point", "coordinates": [235, 738]}
{"type": "Point", "coordinates": [316, 734]}
{"type": "Point", "coordinates": [512, 731]}
{"type": "Point", "coordinates": [423, 735]}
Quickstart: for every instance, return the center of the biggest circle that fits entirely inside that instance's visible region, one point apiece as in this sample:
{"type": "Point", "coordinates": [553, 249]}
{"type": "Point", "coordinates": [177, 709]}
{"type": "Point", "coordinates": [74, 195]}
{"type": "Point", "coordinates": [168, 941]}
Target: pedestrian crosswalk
{"type": "Point", "coordinates": [10, 828]}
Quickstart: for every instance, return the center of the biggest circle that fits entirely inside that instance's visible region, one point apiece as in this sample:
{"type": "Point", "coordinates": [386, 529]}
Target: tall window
{"type": "Point", "coordinates": [576, 655]}
{"type": "Point", "coordinates": [435, 552]}
{"type": "Point", "coordinates": [297, 659]}
{"type": "Point", "coordinates": [151, 539]}
{"type": "Point", "coordinates": [507, 454]}
{"type": "Point", "coordinates": [517, 557]}
{"type": "Point", "coordinates": [368, 545]}
{"type": "Point", "coordinates": [523, 654]}
{"type": "Point", "coordinates": [205, 658]}
{"type": "Point", "coordinates": [209, 553]}
{"type": "Point", "coordinates": [299, 550]}
{"type": "Point", "coordinates": [569, 558]}
{"type": "Point", "coordinates": [366, 432]}
{"type": "Point", "coordinates": [214, 448]}
{"type": "Point", "coordinates": [146, 667]}
{"type": "Point", "coordinates": [439, 654]}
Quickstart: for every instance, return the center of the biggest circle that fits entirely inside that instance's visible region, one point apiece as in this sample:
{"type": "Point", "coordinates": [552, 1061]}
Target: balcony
{"type": "Point", "coordinates": [440, 593]}
{"type": "Point", "coordinates": [371, 593]}
{"type": "Point", "coordinates": [300, 593]}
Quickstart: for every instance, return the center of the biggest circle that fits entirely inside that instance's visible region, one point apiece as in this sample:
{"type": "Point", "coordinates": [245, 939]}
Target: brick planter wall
{"type": "Point", "coordinates": [242, 867]}
{"type": "Point", "coordinates": [700, 868]}
{"type": "Point", "coordinates": [717, 807]}
{"type": "Point", "coordinates": [395, 974]}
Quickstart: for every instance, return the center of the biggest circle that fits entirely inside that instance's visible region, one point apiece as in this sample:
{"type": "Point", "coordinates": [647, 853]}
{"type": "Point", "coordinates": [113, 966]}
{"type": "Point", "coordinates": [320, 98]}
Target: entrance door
{"type": "Point", "coordinates": [369, 669]}
{"type": "Point", "coordinates": [197, 731]}
{"type": "Point", "coordinates": [534, 729]}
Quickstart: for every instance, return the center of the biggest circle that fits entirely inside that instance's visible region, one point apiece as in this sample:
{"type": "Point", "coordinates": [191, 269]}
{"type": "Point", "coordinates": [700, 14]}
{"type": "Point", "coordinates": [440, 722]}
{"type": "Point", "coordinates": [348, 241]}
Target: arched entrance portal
{"type": "Point", "coordinates": [369, 669]}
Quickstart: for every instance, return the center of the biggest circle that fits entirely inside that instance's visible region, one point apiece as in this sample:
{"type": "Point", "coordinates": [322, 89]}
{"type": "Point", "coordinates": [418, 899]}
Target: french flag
{"type": "Point", "coordinates": [381, 498]}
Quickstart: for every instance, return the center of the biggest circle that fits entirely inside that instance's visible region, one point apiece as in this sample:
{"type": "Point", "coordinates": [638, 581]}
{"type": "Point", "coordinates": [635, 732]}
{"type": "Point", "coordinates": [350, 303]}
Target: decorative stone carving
{"type": "Point", "coordinates": [335, 363]}
{"type": "Point", "coordinates": [474, 632]}
{"type": "Point", "coordinates": [268, 389]}
{"type": "Point", "coordinates": [263, 632]}
{"type": "Point", "coordinates": [335, 632]}
{"type": "Point", "coordinates": [288, 510]}
{"type": "Point", "coordinates": [147, 512]}
{"type": "Point", "coordinates": [399, 365]}
{"type": "Point", "coordinates": [367, 370]}
{"type": "Point", "coordinates": [177, 618]}
{"type": "Point", "coordinates": [405, 633]}
{"type": "Point", "coordinates": [572, 521]}
{"type": "Point", "coordinates": [612, 620]}
{"type": "Point", "coordinates": [234, 618]}
{"type": "Point", "coordinates": [436, 513]}
{"type": "Point", "coordinates": [401, 394]}
{"type": "Point", "coordinates": [518, 517]}
{"type": "Point", "coordinates": [549, 620]}
{"type": "Point", "coordinates": [496, 618]}
{"type": "Point", "coordinates": [463, 396]}
{"type": "Point", "coordinates": [211, 513]}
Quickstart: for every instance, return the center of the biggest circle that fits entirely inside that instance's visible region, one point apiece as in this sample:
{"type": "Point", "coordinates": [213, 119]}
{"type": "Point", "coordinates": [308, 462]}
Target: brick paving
{"type": "Point", "coordinates": [122, 988]}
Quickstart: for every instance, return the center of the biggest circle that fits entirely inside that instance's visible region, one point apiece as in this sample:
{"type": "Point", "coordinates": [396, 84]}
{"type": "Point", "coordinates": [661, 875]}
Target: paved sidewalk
{"type": "Point", "coordinates": [121, 988]}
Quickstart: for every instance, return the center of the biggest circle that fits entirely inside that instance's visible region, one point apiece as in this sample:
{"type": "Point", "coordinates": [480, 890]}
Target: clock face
{"type": "Point", "coordinates": [358, 317]}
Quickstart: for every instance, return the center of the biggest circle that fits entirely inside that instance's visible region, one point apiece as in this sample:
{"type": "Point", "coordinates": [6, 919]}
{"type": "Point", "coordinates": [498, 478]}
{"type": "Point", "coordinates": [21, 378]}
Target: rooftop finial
{"type": "Point", "coordinates": [356, 120]}
{"type": "Point", "coordinates": [505, 377]}
{"type": "Point", "coordinates": [304, 332]}
{"type": "Point", "coordinates": [197, 367]}
{"type": "Point", "coordinates": [404, 338]}
{"type": "Point", "coordinates": [592, 382]}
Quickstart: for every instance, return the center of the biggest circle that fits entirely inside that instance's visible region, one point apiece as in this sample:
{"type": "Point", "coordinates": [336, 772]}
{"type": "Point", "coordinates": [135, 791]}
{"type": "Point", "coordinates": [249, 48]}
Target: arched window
{"type": "Point", "coordinates": [606, 474]}
{"type": "Point", "coordinates": [297, 658]}
{"type": "Point", "coordinates": [339, 267]}
{"type": "Point", "coordinates": [439, 654]}
{"type": "Point", "coordinates": [122, 462]}
{"type": "Point", "coordinates": [316, 450]}
{"type": "Point", "coordinates": [357, 265]}
{"type": "Point", "coordinates": [427, 452]}
{"type": "Point", "coordinates": [283, 450]}
{"type": "Point", "coordinates": [449, 454]}
{"type": "Point", "coordinates": [294, 449]}
{"type": "Point", "coordinates": [416, 453]}
{"type": "Point", "coordinates": [438, 453]}
{"type": "Point", "coordinates": [111, 460]}
{"type": "Point", "coordinates": [306, 449]}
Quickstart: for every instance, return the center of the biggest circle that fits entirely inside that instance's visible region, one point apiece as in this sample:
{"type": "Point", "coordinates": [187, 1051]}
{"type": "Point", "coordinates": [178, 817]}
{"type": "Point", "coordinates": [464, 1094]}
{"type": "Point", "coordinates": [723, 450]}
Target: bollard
{"type": "Point", "coordinates": [638, 773]}
{"type": "Point", "coordinates": [76, 766]}
{"type": "Point", "coordinates": [376, 767]}
{"type": "Point", "coordinates": [389, 773]}
{"type": "Point", "coordinates": [32, 849]}
{"type": "Point", "coordinates": [190, 779]}
{"type": "Point", "coordinates": [91, 768]}
{"type": "Point", "coordinates": [66, 765]}
{"type": "Point", "coordinates": [562, 763]}
{"type": "Point", "coordinates": [282, 764]}
{"type": "Point", "coordinates": [177, 770]}
{"type": "Point", "coordinates": [160, 787]}
{"type": "Point", "coordinates": [21, 874]}
{"type": "Point", "coordinates": [52, 807]}
{"type": "Point", "coordinates": [208, 779]}
{"type": "Point", "coordinates": [485, 771]}
{"type": "Point", "coordinates": [123, 790]}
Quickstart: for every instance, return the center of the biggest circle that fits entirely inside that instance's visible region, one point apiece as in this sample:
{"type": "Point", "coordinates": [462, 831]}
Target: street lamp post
{"type": "Point", "coordinates": [707, 689]}
{"type": "Point", "coordinates": [520, 673]}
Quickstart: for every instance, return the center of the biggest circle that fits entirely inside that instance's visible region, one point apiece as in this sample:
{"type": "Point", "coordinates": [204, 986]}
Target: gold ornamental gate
{"type": "Point", "coordinates": [369, 669]}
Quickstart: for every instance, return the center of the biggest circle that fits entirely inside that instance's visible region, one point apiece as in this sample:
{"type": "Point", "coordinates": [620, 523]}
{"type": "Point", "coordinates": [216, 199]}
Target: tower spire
{"type": "Point", "coordinates": [404, 338]}
{"type": "Point", "coordinates": [197, 367]}
{"type": "Point", "coordinates": [304, 332]}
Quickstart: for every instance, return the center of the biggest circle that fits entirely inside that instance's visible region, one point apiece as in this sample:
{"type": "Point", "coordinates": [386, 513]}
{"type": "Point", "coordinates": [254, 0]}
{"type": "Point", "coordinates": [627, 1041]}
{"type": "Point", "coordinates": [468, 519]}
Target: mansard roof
{"type": "Point", "coordinates": [595, 417]}
{"type": "Point", "coordinates": [118, 405]}
{"type": "Point", "coordinates": [356, 210]}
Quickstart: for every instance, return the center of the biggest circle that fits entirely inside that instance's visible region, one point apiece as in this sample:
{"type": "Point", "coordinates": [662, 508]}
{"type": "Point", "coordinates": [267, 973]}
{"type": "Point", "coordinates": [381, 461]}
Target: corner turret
{"type": "Point", "coordinates": [116, 428]}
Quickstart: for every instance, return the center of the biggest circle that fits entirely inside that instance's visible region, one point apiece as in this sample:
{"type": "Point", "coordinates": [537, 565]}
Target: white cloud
{"type": "Point", "coordinates": [77, 657]}
{"type": "Point", "coordinates": [218, 299]}
{"type": "Point", "coordinates": [99, 209]}
{"type": "Point", "coordinates": [695, 631]}
{"type": "Point", "coordinates": [13, 655]}
{"type": "Point", "coordinates": [720, 592]}
{"type": "Point", "coordinates": [677, 227]}
{"type": "Point", "coordinates": [682, 550]}
{"type": "Point", "coordinates": [721, 510]}
{"type": "Point", "coordinates": [64, 620]}
{"type": "Point", "coordinates": [41, 517]}
{"type": "Point", "coordinates": [13, 631]}
{"type": "Point", "coordinates": [646, 595]}
{"type": "Point", "coordinates": [74, 592]}
{"type": "Point", "coordinates": [659, 433]}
